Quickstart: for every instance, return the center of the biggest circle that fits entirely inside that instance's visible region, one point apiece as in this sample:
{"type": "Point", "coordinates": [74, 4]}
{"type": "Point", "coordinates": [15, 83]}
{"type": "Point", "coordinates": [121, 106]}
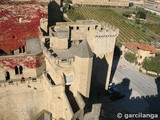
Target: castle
{"type": "Point", "coordinates": [57, 71]}
{"type": "Point", "coordinates": [69, 51]}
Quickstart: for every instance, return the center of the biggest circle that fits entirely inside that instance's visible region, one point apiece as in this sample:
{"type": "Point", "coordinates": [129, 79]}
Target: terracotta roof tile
{"type": "Point", "coordinates": [131, 45]}
{"type": "Point", "coordinates": [135, 46]}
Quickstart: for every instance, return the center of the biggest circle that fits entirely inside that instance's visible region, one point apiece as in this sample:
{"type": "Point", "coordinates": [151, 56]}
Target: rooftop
{"type": "Point", "coordinates": [135, 46]}
{"type": "Point", "coordinates": [62, 33]}
{"type": "Point", "coordinates": [82, 50]}
{"type": "Point", "coordinates": [33, 46]}
{"type": "Point", "coordinates": [19, 22]}
{"type": "Point", "coordinates": [84, 23]}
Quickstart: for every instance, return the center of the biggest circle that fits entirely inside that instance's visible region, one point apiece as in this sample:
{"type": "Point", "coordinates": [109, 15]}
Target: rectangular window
{"type": "Point", "coordinates": [88, 28]}
{"type": "Point", "coordinates": [96, 26]}
{"type": "Point", "coordinates": [16, 70]}
{"type": "Point", "coordinates": [64, 60]}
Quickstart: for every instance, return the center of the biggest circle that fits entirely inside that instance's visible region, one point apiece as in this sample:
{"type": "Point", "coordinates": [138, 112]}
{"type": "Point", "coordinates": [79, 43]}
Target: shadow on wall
{"type": "Point", "coordinates": [98, 81]}
{"type": "Point", "coordinates": [98, 78]}
{"type": "Point", "coordinates": [54, 13]}
{"type": "Point", "coordinates": [130, 105]}
{"type": "Point", "coordinates": [99, 75]}
{"type": "Point", "coordinates": [116, 57]}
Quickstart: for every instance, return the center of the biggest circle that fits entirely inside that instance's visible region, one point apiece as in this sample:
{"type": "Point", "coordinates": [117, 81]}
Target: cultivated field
{"type": "Point", "coordinates": [127, 31]}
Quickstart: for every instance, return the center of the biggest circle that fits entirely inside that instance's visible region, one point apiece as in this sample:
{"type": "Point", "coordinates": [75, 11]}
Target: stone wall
{"type": "Point", "coordinates": [83, 70]}
{"type": "Point", "coordinates": [32, 66]}
{"type": "Point", "coordinates": [58, 103]}
{"type": "Point", "coordinates": [21, 101]}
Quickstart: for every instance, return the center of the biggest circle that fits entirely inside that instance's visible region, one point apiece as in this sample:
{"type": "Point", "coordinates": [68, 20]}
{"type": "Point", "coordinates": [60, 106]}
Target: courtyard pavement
{"type": "Point", "coordinates": [142, 92]}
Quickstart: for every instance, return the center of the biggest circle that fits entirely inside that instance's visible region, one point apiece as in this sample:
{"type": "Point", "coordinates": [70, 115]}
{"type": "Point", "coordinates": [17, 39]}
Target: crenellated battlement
{"type": "Point", "coordinates": [144, 97]}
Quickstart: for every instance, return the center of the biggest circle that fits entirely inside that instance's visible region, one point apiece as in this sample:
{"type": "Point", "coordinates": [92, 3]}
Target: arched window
{"type": "Point", "coordinates": [20, 50]}
{"type": "Point", "coordinates": [7, 75]}
{"type": "Point", "coordinates": [16, 70]}
{"type": "Point", "coordinates": [23, 48]}
{"type": "Point", "coordinates": [20, 69]}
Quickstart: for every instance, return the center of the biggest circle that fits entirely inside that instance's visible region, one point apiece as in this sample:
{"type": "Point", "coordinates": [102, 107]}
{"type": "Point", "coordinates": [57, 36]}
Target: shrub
{"type": "Point", "coordinates": [137, 21]}
{"type": "Point", "coordinates": [130, 57]}
{"type": "Point", "coordinates": [153, 37]}
{"type": "Point", "coordinates": [127, 14]}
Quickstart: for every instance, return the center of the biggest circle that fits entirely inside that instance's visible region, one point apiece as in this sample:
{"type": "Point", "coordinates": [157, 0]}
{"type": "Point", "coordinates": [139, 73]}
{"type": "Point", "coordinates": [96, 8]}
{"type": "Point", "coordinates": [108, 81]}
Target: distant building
{"type": "Point", "coordinates": [153, 4]}
{"type": "Point", "coordinates": [142, 51]}
{"type": "Point", "coordinates": [138, 2]}
{"type": "Point", "coordinates": [149, 3]}
{"type": "Point", "coordinates": [112, 3]}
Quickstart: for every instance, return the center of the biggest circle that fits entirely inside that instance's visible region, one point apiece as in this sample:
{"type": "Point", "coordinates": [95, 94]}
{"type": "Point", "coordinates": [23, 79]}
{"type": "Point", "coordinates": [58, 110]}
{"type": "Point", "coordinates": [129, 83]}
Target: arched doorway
{"type": "Point", "coordinates": [7, 75]}
{"type": "Point", "coordinates": [20, 69]}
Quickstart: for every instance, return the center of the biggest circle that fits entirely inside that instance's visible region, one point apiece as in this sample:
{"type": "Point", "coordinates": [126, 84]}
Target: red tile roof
{"type": "Point", "coordinates": [135, 46]}
{"type": "Point", "coordinates": [13, 34]}
{"type": "Point", "coordinates": [131, 45]}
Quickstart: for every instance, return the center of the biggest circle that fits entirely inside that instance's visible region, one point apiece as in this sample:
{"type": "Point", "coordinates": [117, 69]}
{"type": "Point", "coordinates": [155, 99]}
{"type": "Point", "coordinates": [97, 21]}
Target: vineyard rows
{"type": "Point", "coordinates": [127, 31]}
{"type": "Point", "coordinates": [153, 27]}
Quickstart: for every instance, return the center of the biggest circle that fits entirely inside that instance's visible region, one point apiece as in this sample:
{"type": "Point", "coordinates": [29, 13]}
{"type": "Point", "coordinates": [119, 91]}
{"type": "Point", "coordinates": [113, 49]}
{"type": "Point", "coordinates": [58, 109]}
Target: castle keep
{"type": "Point", "coordinates": [69, 51]}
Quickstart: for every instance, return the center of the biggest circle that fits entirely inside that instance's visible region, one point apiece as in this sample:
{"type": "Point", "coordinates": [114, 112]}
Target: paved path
{"type": "Point", "coordinates": [143, 84]}
{"type": "Point", "coordinates": [141, 91]}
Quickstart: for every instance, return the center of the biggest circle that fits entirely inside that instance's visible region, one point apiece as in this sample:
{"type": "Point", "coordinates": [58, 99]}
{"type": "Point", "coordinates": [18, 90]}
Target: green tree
{"type": "Point", "coordinates": [141, 14]}
{"type": "Point", "coordinates": [131, 57]}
